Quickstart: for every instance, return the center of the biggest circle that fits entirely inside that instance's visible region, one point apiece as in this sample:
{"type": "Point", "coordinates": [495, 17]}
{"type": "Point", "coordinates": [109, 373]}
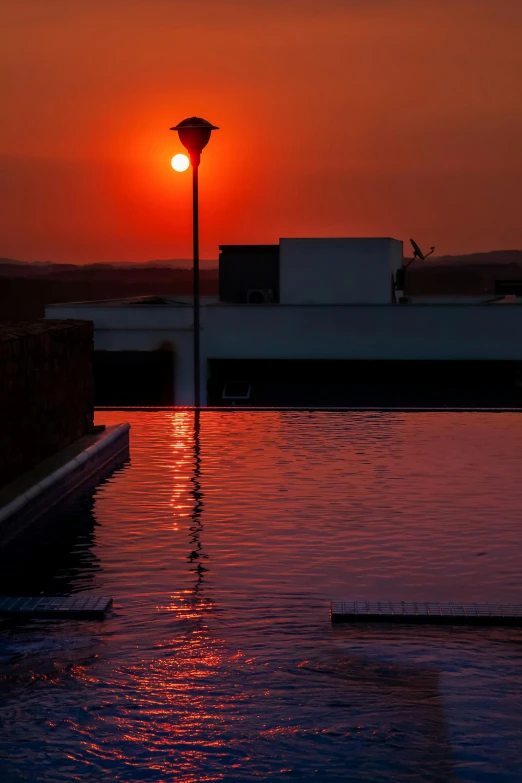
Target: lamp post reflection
{"type": "Point", "coordinates": [197, 555]}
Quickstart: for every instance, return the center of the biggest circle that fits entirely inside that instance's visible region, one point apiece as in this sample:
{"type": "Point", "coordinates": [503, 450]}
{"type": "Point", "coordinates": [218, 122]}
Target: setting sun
{"type": "Point", "coordinates": [180, 162]}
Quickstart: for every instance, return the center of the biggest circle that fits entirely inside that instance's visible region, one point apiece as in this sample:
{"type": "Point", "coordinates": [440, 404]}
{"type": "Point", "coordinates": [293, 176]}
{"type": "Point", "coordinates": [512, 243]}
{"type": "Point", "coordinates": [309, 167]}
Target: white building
{"type": "Point", "coordinates": [315, 313]}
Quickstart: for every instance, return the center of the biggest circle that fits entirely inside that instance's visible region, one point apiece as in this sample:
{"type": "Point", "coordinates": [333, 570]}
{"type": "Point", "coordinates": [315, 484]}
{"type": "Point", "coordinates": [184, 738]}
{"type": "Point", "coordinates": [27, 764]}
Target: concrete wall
{"type": "Point", "coordinates": [46, 390]}
{"type": "Point", "coordinates": [338, 271]}
{"type": "Point", "coordinates": [145, 328]}
{"type": "Point", "coordinates": [374, 332]}
{"type": "Point", "coordinates": [152, 318]}
{"type": "Point", "coordinates": [463, 332]}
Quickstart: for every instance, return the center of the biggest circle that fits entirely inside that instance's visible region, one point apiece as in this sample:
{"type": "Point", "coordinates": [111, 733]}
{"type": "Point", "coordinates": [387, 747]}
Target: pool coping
{"type": "Point", "coordinates": [30, 496]}
{"type": "Point", "coordinates": [315, 408]}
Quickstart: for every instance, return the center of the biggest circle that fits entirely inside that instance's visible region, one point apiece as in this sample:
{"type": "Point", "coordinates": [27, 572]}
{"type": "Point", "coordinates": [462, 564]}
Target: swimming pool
{"type": "Point", "coordinates": [222, 547]}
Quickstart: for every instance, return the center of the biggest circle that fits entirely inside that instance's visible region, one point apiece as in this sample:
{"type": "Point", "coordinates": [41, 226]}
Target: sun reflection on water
{"type": "Point", "coordinates": [222, 542]}
{"type": "Point", "coordinates": [180, 446]}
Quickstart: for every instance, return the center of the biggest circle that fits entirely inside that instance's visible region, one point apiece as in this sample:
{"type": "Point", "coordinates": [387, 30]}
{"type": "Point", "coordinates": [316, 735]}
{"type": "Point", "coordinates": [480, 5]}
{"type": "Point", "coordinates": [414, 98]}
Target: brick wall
{"type": "Point", "coordinates": [46, 390]}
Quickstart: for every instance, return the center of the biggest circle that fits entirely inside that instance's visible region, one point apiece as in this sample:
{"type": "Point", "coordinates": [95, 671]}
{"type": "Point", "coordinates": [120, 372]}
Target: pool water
{"type": "Point", "coordinates": [222, 542]}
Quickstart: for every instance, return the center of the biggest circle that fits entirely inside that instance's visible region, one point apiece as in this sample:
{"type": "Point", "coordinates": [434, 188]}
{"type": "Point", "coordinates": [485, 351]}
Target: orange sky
{"type": "Point", "coordinates": [338, 117]}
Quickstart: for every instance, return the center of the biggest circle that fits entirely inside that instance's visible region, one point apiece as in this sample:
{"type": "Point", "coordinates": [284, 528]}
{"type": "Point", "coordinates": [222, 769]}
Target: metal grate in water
{"type": "Point", "coordinates": [85, 606]}
{"type": "Point", "coordinates": [452, 613]}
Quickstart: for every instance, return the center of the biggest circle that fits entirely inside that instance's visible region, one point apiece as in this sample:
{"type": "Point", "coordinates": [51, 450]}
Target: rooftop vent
{"type": "Point", "coordinates": [236, 391]}
{"type": "Point", "coordinates": [260, 295]}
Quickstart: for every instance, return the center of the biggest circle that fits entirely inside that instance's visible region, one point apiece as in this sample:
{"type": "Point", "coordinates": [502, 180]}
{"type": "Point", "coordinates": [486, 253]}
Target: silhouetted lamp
{"type": "Point", "coordinates": [194, 133]}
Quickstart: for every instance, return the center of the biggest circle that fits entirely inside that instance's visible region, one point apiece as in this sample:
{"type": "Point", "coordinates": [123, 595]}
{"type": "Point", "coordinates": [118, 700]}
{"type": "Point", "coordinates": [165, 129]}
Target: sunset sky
{"type": "Point", "coordinates": [338, 118]}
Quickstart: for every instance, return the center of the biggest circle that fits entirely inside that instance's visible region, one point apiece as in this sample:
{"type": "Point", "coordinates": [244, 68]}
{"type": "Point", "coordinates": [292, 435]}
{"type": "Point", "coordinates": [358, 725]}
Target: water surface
{"type": "Point", "coordinates": [222, 546]}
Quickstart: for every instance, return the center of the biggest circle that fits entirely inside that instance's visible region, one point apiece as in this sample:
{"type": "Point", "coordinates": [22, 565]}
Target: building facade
{"type": "Point", "coordinates": [306, 322]}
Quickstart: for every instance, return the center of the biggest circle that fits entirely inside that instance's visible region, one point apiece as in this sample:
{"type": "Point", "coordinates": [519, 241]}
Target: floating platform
{"type": "Point", "coordinates": [420, 612]}
{"type": "Point", "coordinates": [83, 606]}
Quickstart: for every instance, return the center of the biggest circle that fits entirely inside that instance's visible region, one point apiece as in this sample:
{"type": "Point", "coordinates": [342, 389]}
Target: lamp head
{"type": "Point", "coordinates": [194, 133]}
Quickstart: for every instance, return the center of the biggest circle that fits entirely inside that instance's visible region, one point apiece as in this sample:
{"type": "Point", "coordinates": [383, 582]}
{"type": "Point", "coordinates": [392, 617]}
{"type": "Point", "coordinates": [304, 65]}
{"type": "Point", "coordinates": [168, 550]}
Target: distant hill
{"type": "Point", "coordinates": [11, 267]}
{"type": "Point", "coordinates": [469, 275]}
{"type": "Point", "coordinates": [25, 288]}
{"type": "Point", "coordinates": [493, 257]}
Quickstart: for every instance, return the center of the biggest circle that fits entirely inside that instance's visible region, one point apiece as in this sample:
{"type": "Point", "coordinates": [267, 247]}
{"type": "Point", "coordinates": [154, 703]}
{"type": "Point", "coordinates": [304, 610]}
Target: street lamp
{"type": "Point", "coordinates": [194, 133]}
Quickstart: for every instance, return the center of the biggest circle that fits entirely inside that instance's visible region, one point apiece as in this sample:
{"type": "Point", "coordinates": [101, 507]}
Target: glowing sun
{"type": "Point", "coordinates": [180, 162]}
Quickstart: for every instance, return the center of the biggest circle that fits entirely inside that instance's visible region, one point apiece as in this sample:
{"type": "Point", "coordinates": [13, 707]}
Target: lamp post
{"type": "Point", "coordinates": [194, 133]}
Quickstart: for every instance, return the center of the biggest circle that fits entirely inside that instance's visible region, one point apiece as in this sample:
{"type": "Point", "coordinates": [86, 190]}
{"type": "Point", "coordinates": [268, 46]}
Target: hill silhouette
{"type": "Point", "coordinates": [466, 275]}
{"type": "Point", "coordinates": [25, 287]}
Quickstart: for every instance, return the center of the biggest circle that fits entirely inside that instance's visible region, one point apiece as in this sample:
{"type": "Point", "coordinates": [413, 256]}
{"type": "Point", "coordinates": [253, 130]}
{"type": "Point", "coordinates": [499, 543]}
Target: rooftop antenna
{"type": "Point", "coordinates": [417, 253]}
{"type": "Point", "coordinates": [398, 280]}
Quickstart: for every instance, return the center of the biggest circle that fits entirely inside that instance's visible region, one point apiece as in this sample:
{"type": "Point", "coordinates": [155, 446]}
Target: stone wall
{"type": "Point", "coordinates": [46, 390]}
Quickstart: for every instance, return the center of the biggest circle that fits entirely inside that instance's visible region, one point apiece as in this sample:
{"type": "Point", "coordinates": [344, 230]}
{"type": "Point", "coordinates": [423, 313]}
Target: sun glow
{"type": "Point", "coordinates": [180, 162]}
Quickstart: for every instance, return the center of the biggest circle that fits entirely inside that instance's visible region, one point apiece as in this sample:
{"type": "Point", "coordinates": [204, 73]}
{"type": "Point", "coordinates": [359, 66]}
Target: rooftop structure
{"type": "Point", "coordinates": [323, 314]}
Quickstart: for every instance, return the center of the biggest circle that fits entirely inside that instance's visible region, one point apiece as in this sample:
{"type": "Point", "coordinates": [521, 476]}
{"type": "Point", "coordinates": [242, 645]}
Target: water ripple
{"type": "Point", "coordinates": [222, 544]}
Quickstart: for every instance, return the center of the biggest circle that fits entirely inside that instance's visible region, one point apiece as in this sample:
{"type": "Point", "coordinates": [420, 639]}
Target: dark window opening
{"type": "Point", "coordinates": [134, 378]}
{"type": "Point", "coordinates": [365, 383]}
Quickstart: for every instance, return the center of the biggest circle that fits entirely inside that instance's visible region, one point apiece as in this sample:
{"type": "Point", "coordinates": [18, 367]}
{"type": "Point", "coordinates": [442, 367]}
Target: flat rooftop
{"type": "Point", "coordinates": [141, 301]}
{"type": "Point", "coordinates": [207, 301]}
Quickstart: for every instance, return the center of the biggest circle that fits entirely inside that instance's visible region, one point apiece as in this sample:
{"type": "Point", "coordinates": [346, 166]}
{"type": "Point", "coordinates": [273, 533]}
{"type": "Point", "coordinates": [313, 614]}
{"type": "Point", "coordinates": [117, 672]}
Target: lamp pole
{"type": "Point", "coordinates": [194, 133]}
{"type": "Point", "coordinates": [195, 281]}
